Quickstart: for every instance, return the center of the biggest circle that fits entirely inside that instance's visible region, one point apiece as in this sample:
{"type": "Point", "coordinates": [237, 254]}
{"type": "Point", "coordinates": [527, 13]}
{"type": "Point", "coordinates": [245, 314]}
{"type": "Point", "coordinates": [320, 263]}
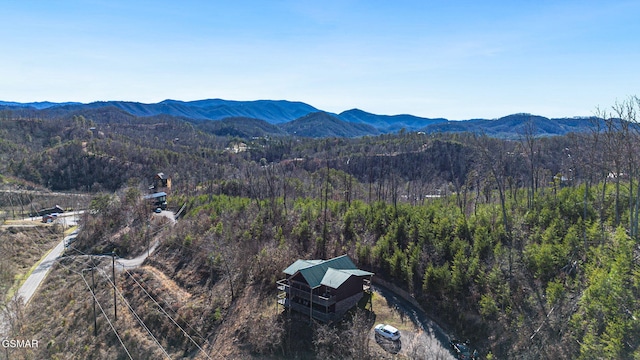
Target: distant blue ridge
{"type": "Point", "coordinates": [282, 112]}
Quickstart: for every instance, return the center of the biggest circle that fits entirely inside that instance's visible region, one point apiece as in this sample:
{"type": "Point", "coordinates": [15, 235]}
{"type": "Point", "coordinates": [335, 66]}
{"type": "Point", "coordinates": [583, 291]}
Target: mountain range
{"type": "Point", "coordinates": [281, 117]}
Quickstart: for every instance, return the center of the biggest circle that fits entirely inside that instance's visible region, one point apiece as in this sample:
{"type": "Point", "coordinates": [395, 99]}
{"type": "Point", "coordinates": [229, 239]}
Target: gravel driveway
{"type": "Point", "coordinates": [428, 342]}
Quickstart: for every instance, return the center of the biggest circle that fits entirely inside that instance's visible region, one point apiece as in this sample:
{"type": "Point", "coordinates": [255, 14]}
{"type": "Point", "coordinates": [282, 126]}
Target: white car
{"type": "Point", "coordinates": [387, 331]}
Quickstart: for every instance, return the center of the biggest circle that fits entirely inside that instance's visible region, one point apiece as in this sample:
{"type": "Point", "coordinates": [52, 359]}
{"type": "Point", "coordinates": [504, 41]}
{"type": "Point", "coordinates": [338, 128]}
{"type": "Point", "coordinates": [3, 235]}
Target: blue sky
{"type": "Point", "coordinates": [452, 59]}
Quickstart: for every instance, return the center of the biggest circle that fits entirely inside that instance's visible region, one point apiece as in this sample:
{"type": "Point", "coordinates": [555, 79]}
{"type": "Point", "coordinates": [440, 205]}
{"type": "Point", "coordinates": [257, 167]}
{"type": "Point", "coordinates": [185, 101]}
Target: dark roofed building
{"type": "Point", "coordinates": [52, 210]}
{"type": "Point", "coordinates": [161, 181]}
{"type": "Point", "coordinates": [158, 200]}
{"type": "Point", "coordinates": [323, 289]}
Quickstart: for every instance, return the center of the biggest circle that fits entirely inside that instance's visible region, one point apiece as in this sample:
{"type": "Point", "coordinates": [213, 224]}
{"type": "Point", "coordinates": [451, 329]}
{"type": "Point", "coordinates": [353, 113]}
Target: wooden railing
{"type": "Point", "coordinates": [319, 315]}
{"type": "Point", "coordinates": [292, 290]}
{"type": "Point", "coordinates": [299, 291]}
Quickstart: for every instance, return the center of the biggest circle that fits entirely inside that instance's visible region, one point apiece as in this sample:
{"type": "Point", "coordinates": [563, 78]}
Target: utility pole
{"type": "Point", "coordinates": [13, 211]}
{"type": "Point", "coordinates": [147, 236]}
{"type": "Point", "coordinates": [113, 272]}
{"type": "Point", "coordinates": [93, 292]}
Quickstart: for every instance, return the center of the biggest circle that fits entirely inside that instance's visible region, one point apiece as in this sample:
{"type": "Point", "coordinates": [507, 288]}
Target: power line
{"type": "Point", "coordinates": [154, 300]}
{"type": "Point", "coordinates": [169, 316]}
{"type": "Point", "coordinates": [129, 305]}
{"type": "Point", "coordinates": [180, 317]}
{"type": "Point", "coordinates": [126, 302]}
{"type": "Point", "coordinates": [105, 316]}
{"type": "Point", "coordinates": [136, 314]}
{"type": "Point", "coordinates": [148, 295]}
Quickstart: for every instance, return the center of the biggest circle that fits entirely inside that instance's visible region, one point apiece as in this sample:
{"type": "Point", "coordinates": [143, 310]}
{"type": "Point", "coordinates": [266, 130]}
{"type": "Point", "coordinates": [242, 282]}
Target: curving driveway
{"type": "Point", "coordinates": [30, 286]}
{"type": "Point", "coordinates": [137, 261]}
{"type": "Point", "coordinates": [430, 342]}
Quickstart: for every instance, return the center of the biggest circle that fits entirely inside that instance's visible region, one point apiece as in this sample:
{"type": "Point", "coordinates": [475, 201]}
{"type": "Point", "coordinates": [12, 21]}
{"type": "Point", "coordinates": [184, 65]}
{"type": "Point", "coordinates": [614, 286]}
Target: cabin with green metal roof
{"type": "Point", "coordinates": [323, 289]}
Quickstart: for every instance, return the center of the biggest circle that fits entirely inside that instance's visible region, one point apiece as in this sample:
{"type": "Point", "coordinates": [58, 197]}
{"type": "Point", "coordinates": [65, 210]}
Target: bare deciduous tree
{"type": "Point", "coordinates": [348, 340]}
{"type": "Point", "coordinates": [13, 318]}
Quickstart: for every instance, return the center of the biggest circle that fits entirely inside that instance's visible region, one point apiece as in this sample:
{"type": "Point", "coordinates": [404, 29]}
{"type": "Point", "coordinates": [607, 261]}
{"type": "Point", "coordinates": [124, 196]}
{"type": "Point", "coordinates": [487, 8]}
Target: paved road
{"type": "Point", "coordinates": [32, 283]}
{"type": "Point", "coordinates": [29, 287]}
{"type": "Point", "coordinates": [39, 192]}
{"type": "Point", "coordinates": [65, 219]}
{"type": "Point", "coordinates": [137, 261]}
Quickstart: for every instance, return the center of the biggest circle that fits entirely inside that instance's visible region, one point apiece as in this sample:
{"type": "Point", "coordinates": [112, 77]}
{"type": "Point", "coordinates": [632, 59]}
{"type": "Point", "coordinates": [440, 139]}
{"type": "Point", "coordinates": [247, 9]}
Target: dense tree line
{"type": "Point", "coordinates": [527, 247]}
{"type": "Point", "coordinates": [557, 287]}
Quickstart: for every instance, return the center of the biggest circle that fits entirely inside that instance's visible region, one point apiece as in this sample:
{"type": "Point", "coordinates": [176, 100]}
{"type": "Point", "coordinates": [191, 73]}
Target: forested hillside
{"type": "Point", "coordinates": [300, 119]}
{"type": "Point", "coordinates": [527, 247]}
